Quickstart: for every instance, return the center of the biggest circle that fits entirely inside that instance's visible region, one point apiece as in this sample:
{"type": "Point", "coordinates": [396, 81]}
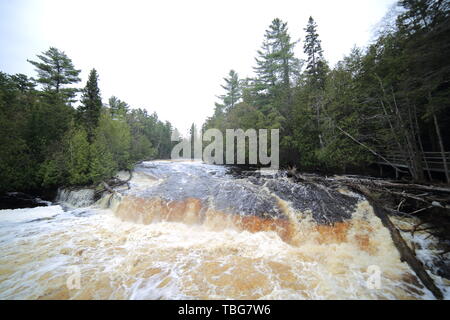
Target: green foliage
{"type": "Point", "coordinates": [53, 171]}
{"type": "Point", "coordinates": [316, 66]}
{"type": "Point", "coordinates": [16, 159]}
{"type": "Point", "coordinates": [55, 71]}
{"type": "Point", "coordinates": [156, 132]}
{"type": "Point", "coordinates": [392, 96]}
{"type": "Point", "coordinates": [101, 162]}
{"type": "Point", "coordinates": [77, 157]}
{"type": "Point", "coordinates": [89, 111]}
{"type": "Point", "coordinates": [116, 135]}
{"type": "Point", "coordinates": [117, 107]}
{"type": "Point", "coordinates": [275, 67]}
{"type": "Point", "coordinates": [141, 148]}
{"type": "Point", "coordinates": [46, 143]}
{"type": "Point", "coordinates": [233, 92]}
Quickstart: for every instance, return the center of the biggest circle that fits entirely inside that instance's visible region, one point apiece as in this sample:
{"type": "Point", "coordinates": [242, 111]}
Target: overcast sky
{"type": "Point", "coordinates": [170, 56]}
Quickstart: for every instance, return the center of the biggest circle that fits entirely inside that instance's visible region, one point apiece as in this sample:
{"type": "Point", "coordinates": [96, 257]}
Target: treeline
{"type": "Point", "coordinates": [389, 98]}
{"type": "Point", "coordinates": [46, 142]}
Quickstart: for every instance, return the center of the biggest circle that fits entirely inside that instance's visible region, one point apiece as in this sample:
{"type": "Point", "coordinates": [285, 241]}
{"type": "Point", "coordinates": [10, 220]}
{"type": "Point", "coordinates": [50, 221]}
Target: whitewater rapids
{"type": "Point", "coordinates": [187, 230]}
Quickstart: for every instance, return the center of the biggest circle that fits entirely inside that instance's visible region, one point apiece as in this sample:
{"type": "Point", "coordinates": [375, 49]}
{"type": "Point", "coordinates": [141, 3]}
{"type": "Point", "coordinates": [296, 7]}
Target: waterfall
{"type": "Point", "coordinates": [187, 230]}
{"type": "Point", "coordinates": [76, 198]}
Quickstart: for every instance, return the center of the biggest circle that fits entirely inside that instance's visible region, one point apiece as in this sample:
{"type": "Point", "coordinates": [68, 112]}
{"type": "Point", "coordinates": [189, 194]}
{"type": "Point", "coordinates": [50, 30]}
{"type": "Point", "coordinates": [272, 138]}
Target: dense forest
{"type": "Point", "coordinates": [49, 138]}
{"type": "Point", "coordinates": [388, 100]}
{"type": "Point", "coordinates": [391, 98]}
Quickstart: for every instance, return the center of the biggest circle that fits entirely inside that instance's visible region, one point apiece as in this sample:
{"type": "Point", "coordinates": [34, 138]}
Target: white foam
{"type": "Point", "coordinates": [171, 260]}
{"type": "Point", "coordinates": [28, 214]}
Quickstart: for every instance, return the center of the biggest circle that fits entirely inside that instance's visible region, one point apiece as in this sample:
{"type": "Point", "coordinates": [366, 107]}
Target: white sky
{"type": "Point", "coordinates": [170, 56]}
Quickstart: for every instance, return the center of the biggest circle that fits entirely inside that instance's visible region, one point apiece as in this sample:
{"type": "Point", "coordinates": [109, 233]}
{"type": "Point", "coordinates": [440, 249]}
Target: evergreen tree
{"type": "Point", "coordinates": [89, 111]}
{"type": "Point", "coordinates": [117, 107]}
{"type": "Point", "coordinates": [23, 83]}
{"type": "Point", "coordinates": [101, 162]}
{"type": "Point", "coordinates": [77, 157]}
{"type": "Point", "coordinates": [422, 14]}
{"type": "Point", "coordinates": [275, 65]}
{"type": "Point", "coordinates": [116, 135]}
{"type": "Point", "coordinates": [55, 71]}
{"type": "Point", "coordinates": [316, 66]}
{"type": "Point", "coordinates": [316, 71]}
{"type": "Point", "coordinates": [42, 147]}
{"type": "Point", "coordinates": [16, 161]}
{"type": "Point", "coordinates": [233, 92]}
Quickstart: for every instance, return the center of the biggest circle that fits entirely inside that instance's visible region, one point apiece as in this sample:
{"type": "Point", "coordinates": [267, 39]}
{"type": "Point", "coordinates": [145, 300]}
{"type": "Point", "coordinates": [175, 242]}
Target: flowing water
{"type": "Point", "coordinates": [187, 230]}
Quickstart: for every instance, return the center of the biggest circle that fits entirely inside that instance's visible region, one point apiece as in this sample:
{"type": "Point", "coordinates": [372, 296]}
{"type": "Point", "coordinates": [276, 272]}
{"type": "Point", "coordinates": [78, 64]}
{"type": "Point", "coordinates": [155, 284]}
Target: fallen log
{"type": "Point", "coordinates": [108, 188]}
{"type": "Point", "coordinates": [372, 182]}
{"type": "Point", "coordinates": [403, 195]}
{"type": "Point", "coordinates": [406, 253]}
{"type": "Point", "coordinates": [401, 190]}
{"type": "Point", "coordinates": [389, 184]}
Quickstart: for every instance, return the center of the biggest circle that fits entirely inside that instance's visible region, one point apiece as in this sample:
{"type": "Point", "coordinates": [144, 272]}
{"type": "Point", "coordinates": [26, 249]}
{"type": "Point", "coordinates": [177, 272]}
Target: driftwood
{"type": "Point", "coordinates": [404, 186]}
{"type": "Point", "coordinates": [107, 187]}
{"type": "Point", "coordinates": [429, 195]}
{"type": "Point", "coordinates": [373, 182]}
{"type": "Point", "coordinates": [111, 184]}
{"type": "Point", "coordinates": [366, 187]}
{"type": "Point", "coordinates": [114, 183]}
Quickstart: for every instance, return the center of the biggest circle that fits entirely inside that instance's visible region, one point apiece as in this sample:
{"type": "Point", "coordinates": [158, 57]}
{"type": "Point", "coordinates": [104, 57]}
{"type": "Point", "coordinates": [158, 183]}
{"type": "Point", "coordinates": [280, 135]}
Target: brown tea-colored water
{"type": "Point", "coordinates": [145, 246]}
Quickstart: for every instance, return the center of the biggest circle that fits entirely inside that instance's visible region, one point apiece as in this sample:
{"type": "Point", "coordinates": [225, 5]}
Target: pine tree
{"type": "Point", "coordinates": [422, 14]}
{"type": "Point", "coordinates": [275, 61]}
{"type": "Point", "coordinates": [90, 109]}
{"type": "Point", "coordinates": [316, 65]}
{"type": "Point", "coordinates": [316, 71]}
{"type": "Point", "coordinates": [233, 92]}
{"type": "Point", "coordinates": [23, 83]}
{"type": "Point", "coordinates": [55, 71]}
{"type": "Point", "coordinates": [118, 108]}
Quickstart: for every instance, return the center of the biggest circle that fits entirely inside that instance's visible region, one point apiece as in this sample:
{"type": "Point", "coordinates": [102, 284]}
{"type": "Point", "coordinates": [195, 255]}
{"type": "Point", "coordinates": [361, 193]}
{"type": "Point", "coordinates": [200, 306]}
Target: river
{"type": "Point", "coordinates": [188, 230]}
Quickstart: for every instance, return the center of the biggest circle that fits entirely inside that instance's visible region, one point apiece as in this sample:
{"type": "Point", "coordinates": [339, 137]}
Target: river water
{"type": "Point", "coordinates": [187, 230]}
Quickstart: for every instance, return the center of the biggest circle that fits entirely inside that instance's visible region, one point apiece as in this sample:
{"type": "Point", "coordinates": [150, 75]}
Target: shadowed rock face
{"type": "Point", "coordinates": [245, 193]}
{"type": "Point", "coordinates": [16, 200]}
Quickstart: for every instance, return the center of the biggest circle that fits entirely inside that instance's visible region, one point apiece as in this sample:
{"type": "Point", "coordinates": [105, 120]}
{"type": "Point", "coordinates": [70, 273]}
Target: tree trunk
{"type": "Point", "coordinates": [441, 146]}
{"type": "Point", "coordinates": [419, 140]}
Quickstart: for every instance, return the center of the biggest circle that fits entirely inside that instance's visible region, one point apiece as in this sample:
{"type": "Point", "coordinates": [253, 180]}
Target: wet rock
{"type": "Point", "coordinates": [326, 205]}
{"type": "Point", "coordinates": [245, 198]}
{"type": "Point", "coordinates": [239, 190]}
{"type": "Point", "coordinates": [17, 200]}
